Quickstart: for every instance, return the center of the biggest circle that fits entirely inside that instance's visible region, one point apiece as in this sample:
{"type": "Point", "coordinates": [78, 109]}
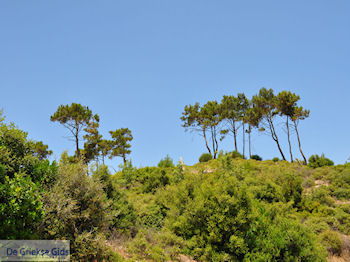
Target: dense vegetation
{"type": "Point", "coordinates": [224, 208]}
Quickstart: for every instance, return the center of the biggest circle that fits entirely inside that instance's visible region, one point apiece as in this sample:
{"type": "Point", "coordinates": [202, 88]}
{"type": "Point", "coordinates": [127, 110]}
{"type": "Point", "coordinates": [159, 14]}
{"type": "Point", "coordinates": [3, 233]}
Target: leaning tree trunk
{"type": "Point", "coordinates": [275, 138]}
{"type": "Point", "coordinates": [216, 143]}
{"type": "Point", "coordinates": [299, 143]}
{"type": "Point", "coordinates": [206, 141]}
{"type": "Point", "coordinates": [289, 143]}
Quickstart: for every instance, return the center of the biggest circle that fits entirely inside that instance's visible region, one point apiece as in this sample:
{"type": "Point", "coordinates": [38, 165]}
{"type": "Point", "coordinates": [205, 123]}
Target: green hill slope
{"type": "Point", "coordinates": [236, 210]}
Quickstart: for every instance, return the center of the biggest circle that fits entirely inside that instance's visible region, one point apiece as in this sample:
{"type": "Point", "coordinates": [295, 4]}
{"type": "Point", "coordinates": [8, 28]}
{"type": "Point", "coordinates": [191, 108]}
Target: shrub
{"type": "Point", "coordinates": [20, 155]}
{"type": "Point", "coordinates": [236, 154]}
{"type": "Point", "coordinates": [275, 159]}
{"type": "Point", "coordinates": [91, 247]}
{"type": "Point", "coordinates": [291, 187]}
{"type": "Point", "coordinates": [166, 162]}
{"type": "Point", "coordinates": [256, 157]}
{"type": "Point", "coordinates": [146, 251]}
{"type": "Point", "coordinates": [220, 221]}
{"type": "Point", "coordinates": [205, 157]}
{"type": "Point", "coordinates": [151, 216]}
{"type": "Point", "coordinates": [269, 192]}
{"type": "Point", "coordinates": [21, 208]}
{"type": "Point", "coordinates": [331, 240]}
{"type": "Point", "coordinates": [123, 213]}
{"type": "Point", "coordinates": [319, 161]}
{"type": "Point", "coordinates": [77, 209]}
{"type": "Point", "coordinates": [152, 178]}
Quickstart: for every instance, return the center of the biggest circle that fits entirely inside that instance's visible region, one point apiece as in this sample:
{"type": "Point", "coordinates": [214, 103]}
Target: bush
{"type": "Point", "coordinates": [220, 221]}
{"type": "Point", "coordinates": [21, 208]}
{"type": "Point", "coordinates": [123, 213]}
{"type": "Point", "coordinates": [275, 159]}
{"type": "Point", "coordinates": [256, 157]}
{"type": "Point", "coordinates": [236, 154]}
{"type": "Point", "coordinates": [92, 247]}
{"type": "Point", "coordinates": [205, 157]}
{"type": "Point", "coordinates": [331, 240]}
{"type": "Point", "coordinates": [166, 162]}
{"type": "Point", "coordinates": [24, 174]}
{"type": "Point", "coordinates": [291, 186]}
{"type": "Point", "coordinates": [77, 209]}
{"type": "Point", "coordinates": [152, 178]}
{"type": "Point", "coordinates": [319, 161]}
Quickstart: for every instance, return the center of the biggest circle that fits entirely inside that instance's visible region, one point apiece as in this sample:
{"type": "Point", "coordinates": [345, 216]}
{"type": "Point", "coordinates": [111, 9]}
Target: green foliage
{"type": "Point", "coordinates": [93, 140]}
{"type": "Point", "coordinates": [331, 240]}
{"type": "Point", "coordinates": [75, 204]}
{"type": "Point", "coordinates": [45, 173]}
{"type": "Point", "coordinates": [205, 157]}
{"type": "Point", "coordinates": [221, 221]}
{"type": "Point", "coordinates": [229, 209]}
{"type": "Point", "coordinates": [143, 249]}
{"type": "Point", "coordinates": [18, 154]}
{"type": "Point", "coordinates": [40, 150]}
{"type": "Point", "coordinates": [24, 174]}
{"type": "Point", "coordinates": [21, 208]}
{"type": "Point", "coordinates": [89, 246]}
{"type": "Point", "coordinates": [275, 159]}
{"type": "Point", "coordinates": [204, 119]}
{"type": "Point", "coordinates": [152, 179]}
{"type": "Point", "coordinates": [120, 143]}
{"type": "Point", "coordinates": [319, 161]}
{"type": "Point", "coordinates": [233, 110]}
{"type": "Point", "coordinates": [236, 154]}
{"type": "Point", "coordinates": [77, 209]}
{"type": "Point", "coordinates": [123, 214]}
{"type": "Point", "coordinates": [256, 157]}
{"type": "Point", "coordinates": [166, 162]}
{"type": "Point", "coordinates": [75, 117]}
{"type": "Point", "coordinates": [216, 120]}
{"type": "Point", "coordinates": [152, 216]}
{"type": "Point", "coordinates": [291, 186]}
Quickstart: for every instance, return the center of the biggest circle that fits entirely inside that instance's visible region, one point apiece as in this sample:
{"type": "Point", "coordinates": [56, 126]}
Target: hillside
{"type": "Point", "coordinates": [226, 209]}
{"type": "Point", "coordinates": [234, 209]}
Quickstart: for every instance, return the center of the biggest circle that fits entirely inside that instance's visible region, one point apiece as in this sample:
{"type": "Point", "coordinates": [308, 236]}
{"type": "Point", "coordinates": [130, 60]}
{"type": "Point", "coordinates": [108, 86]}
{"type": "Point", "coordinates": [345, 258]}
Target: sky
{"type": "Point", "coordinates": [138, 63]}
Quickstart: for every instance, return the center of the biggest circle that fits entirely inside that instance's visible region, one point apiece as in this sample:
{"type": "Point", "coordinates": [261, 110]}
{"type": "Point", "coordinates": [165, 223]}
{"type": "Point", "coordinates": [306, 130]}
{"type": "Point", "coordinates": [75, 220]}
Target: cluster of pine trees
{"type": "Point", "coordinates": [83, 125]}
{"type": "Point", "coordinates": [234, 114]}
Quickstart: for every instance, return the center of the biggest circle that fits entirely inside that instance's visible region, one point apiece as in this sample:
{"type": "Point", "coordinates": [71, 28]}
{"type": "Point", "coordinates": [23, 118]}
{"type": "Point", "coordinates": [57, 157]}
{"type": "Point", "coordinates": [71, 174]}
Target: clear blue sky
{"type": "Point", "coordinates": [138, 63]}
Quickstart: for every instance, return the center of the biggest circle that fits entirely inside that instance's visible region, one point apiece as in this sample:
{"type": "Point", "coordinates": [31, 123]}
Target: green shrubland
{"type": "Point", "coordinates": [238, 210]}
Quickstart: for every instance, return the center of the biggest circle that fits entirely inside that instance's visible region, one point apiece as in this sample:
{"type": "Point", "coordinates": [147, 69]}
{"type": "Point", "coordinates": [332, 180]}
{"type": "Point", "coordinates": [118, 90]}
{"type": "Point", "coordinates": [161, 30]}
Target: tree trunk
{"type": "Point", "coordinates": [250, 146]}
{"type": "Point", "coordinates": [76, 136]}
{"type": "Point", "coordinates": [235, 135]}
{"type": "Point", "coordinates": [213, 141]}
{"type": "Point", "coordinates": [289, 143]}
{"type": "Point", "coordinates": [216, 143]}
{"type": "Point", "coordinates": [77, 145]}
{"type": "Point", "coordinates": [299, 143]}
{"type": "Point", "coordinates": [275, 138]}
{"type": "Point", "coordinates": [243, 140]}
{"type": "Point", "coordinates": [206, 142]}
{"type": "Point", "coordinates": [280, 149]}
